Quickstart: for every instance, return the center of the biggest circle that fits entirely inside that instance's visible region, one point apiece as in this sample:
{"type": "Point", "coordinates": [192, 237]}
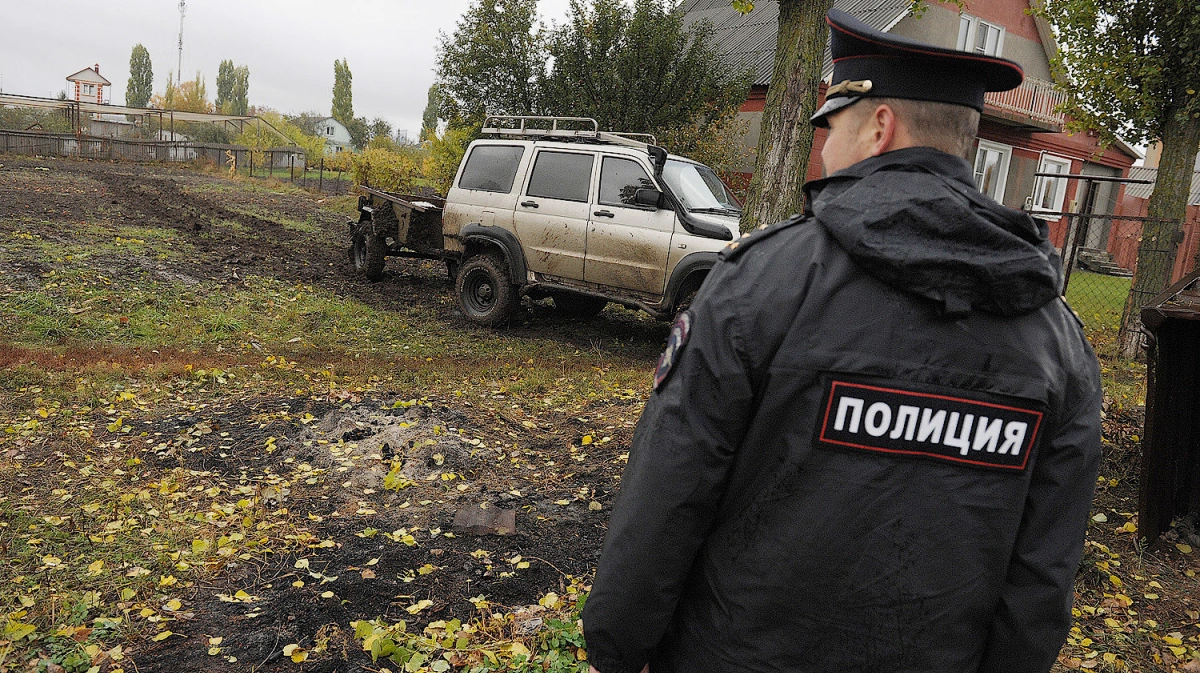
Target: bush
{"type": "Point", "coordinates": [387, 170]}
{"type": "Point", "coordinates": [445, 153]}
{"type": "Point", "coordinates": [341, 161]}
{"type": "Point", "coordinates": [719, 144]}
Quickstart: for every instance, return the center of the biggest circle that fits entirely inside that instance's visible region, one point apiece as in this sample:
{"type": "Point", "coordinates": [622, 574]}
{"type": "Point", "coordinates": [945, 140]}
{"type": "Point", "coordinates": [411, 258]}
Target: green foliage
{"type": "Point", "coordinates": [379, 129]}
{"type": "Point", "coordinates": [141, 78]}
{"type": "Point", "coordinates": [389, 170]}
{"type": "Point", "coordinates": [429, 118]}
{"type": "Point", "coordinates": [634, 68]}
{"type": "Point", "coordinates": [191, 96]}
{"type": "Point", "coordinates": [1128, 61]}
{"type": "Point", "coordinates": [261, 137]}
{"type": "Point", "coordinates": [20, 119]}
{"type": "Point", "coordinates": [445, 153]}
{"type": "Point", "coordinates": [719, 144]}
{"type": "Point", "coordinates": [233, 88]}
{"type": "Point", "coordinates": [639, 68]}
{"type": "Point", "coordinates": [360, 132]}
{"type": "Point", "coordinates": [492, 62]}
{"type": "Point", "coordinates": [488, 642]}
{"type": "Point", "coordinates": [343, 96]}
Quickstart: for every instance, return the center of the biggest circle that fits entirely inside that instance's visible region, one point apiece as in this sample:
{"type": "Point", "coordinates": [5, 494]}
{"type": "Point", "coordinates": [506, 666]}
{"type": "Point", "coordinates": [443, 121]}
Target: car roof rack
{"type": "Point", "coordinates": [533, 126]}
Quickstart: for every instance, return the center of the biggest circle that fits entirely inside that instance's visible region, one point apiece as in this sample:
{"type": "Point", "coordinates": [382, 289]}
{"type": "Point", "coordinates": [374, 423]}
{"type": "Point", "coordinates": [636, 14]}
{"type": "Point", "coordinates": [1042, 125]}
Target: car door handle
{"type": "Point", "coordinates": [529, 204]}
{"type": "Point", "coordinates": [604, 213]}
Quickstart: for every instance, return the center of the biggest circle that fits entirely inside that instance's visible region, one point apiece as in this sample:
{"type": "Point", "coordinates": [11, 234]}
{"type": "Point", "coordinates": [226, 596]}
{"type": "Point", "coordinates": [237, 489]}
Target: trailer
{"type": "Point", "coordinates": [391, 224]}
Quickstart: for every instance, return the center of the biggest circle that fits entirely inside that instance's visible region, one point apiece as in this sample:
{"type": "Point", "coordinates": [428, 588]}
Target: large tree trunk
{"type": "Point", "coordinates": [786, 138]}
{"type": "Point", "coordinates": [1156, 251]}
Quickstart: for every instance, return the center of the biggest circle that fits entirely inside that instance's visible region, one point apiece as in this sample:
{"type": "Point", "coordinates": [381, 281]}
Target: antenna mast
{"type": "Point", "coordinates": [179, 64]}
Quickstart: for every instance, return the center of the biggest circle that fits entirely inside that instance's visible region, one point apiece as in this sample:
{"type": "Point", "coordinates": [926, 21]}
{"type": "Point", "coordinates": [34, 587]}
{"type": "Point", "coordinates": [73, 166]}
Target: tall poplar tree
{"type": "Point", "coordinates": [140, 87]}
{"type": "Point", "coordinates": [343, 97]}
{"type": "Point", "coordinates": [233, 88]}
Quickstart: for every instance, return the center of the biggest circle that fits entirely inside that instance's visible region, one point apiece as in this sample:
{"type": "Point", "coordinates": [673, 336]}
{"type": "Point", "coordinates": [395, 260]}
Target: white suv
{"type": "Point", "coordinates": [582, 216]}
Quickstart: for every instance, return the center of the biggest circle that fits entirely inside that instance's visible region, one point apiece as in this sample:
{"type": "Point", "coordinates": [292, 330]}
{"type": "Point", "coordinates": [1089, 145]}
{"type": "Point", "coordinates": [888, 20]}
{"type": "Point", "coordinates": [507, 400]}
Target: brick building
{"type": "Point", "coordinates": [1020, 132]}
{"type": "Point", "coordinates": [88, 85]}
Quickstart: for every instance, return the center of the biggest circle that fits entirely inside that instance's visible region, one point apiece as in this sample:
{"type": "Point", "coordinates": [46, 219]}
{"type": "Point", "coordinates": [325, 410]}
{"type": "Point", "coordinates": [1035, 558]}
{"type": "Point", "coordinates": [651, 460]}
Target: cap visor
{"type": "Point", "coordinates": [831, 105]}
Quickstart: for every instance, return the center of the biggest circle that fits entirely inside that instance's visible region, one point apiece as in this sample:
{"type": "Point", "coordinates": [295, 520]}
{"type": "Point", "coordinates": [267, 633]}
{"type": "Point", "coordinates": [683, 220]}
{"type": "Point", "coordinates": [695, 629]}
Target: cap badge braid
{"type": "Point", "coordinates": [849, 86]}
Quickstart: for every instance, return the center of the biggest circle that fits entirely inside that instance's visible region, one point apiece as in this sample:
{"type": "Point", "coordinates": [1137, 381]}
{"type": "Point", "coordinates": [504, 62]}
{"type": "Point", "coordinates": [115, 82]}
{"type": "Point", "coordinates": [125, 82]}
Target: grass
{"type": "Point", "coordinates": [1098, 299]}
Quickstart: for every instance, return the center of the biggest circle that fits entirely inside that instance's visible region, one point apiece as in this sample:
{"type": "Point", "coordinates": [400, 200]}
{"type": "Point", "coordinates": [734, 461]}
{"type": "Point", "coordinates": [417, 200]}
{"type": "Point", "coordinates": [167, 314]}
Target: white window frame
{"type": "Point", "coordinates": [1042, 184]}
{"type": "Point", "coordinates": [1005, 152]}
{"type": "Point", "coordinates": [87, 89]}
{"type": "Point", "coordinates": [968, 32]}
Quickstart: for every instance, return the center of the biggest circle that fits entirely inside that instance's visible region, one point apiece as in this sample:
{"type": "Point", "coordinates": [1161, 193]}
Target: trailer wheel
{"type": "Point", "coordinates": [578, 305]}
{"type": "Point", "coordinates": [485, 293]}
{"type": "Point", "coordinates": [369, 254]}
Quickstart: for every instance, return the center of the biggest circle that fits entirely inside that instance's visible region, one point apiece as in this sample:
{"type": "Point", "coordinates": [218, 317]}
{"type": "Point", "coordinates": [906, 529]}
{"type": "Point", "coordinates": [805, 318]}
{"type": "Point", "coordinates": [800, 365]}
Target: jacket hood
{"type": "Point", "coordinates": [914, 219]}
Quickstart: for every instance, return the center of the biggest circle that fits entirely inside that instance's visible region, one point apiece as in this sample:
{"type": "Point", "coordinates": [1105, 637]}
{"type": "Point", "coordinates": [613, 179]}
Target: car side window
{"type": "Point", "coordinates": [619, 181]}
{"type": "Point", "coordinates": [561, 175]}
{"type": "Point", "coordinates": [491, 168]}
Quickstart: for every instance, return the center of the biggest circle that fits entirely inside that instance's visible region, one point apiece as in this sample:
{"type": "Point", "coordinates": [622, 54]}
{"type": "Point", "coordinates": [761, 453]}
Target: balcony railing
{"type": "Point", "coordinates": [1035, 98]}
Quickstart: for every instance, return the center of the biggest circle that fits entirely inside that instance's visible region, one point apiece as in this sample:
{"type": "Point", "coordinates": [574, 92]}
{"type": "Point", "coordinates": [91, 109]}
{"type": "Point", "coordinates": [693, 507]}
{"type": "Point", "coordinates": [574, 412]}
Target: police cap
{"type": "Point", "coordinates": [868, 63]}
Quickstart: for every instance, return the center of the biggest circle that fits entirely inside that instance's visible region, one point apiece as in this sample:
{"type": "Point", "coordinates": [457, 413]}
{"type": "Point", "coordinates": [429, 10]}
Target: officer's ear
{"type": "Point", "coordinates": [879, 129]}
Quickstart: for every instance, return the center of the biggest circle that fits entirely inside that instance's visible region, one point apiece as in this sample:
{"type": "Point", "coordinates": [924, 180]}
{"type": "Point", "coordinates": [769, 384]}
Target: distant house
{"type": "Point", "coordinates": [337, 137]}
{"type": "Point", "coordinates": [88, 85]}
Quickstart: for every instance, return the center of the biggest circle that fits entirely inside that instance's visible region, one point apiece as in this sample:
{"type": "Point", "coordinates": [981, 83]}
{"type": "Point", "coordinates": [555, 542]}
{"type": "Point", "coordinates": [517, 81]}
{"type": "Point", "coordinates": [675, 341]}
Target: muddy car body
{"type": "Point", "coordinates": [581, 216]}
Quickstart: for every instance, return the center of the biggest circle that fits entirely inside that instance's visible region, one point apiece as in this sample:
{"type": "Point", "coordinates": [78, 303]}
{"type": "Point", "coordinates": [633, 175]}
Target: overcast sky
{"type": "Point", "coordinates": [289, 46]}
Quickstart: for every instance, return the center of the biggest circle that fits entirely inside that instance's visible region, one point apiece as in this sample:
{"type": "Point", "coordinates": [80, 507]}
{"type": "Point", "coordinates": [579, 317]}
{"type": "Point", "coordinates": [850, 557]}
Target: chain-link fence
{"type": "Point", "coordinates": [1114, 263]}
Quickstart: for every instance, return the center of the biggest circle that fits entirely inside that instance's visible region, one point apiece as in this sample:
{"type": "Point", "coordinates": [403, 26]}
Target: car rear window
{"type": "Point", "coordinates": [561, 175]}
{"type": "Point", "coordinates": [491, 168]}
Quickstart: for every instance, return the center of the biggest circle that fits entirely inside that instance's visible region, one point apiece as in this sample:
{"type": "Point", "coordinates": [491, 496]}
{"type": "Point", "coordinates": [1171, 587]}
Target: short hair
{"type": "Point", "coordinates": [943, 126]}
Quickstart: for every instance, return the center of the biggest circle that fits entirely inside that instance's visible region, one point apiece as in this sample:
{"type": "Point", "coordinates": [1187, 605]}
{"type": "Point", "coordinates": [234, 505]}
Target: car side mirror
{"type": "Point", "coordinates": [648, 197]}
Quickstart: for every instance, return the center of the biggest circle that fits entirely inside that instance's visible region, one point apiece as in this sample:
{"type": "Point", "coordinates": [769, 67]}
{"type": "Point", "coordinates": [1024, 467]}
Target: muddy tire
{"type": "Point", "coordinates": [485, 292]}
{"type": "Point", "coordinates": [578, 305]}
{"type": "Point", "coordinates": [685, 302]}
{"type": "Point", "coordinates": [369, 254]}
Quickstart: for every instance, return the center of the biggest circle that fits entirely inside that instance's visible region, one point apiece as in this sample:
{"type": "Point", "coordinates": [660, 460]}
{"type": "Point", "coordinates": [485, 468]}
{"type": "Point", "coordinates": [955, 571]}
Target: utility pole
{"type": "Point", "coordinates": [179, 64]}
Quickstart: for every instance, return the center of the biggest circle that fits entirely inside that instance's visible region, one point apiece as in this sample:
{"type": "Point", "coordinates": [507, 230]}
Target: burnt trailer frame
{"type": "Point", "coordinates": [391, 224]}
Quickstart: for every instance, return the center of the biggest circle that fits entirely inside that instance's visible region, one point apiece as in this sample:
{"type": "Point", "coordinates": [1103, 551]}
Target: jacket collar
{"type": "Point", "coordinates": [926, 159]}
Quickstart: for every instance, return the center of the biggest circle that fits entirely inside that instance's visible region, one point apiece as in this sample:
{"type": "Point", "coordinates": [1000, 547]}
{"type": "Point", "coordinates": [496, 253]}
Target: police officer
{"type": "Point", "coordinates": [874, 437]}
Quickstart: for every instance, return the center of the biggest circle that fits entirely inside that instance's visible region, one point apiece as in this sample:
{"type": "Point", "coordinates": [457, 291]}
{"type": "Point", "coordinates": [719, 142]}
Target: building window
{"type": "Point", "coordinates": [1048, 193]}
{"type": "Point", "coordinates": [979, 36]}
{"type": "Point", "coordinates": [328, 130]}
{"type": "Point", "coordinates": [89, 89]}
{"type": "Point", "coordinates": [991, 168]}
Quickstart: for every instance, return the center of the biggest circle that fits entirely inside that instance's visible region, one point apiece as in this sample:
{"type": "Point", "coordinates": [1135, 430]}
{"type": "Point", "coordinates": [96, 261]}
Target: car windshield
{"type": "Point", "coordinates": [698, 188]}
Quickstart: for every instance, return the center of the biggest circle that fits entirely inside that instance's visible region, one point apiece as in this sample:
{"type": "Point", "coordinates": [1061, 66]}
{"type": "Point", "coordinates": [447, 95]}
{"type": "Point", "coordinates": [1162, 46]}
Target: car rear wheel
{"type": "Point", "coordinates": [485, 293]}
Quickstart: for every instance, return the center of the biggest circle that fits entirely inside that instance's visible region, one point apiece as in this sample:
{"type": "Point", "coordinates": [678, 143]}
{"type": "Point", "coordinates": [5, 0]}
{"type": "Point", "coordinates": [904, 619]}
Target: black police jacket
{"type": "Point", "coordinates": [875, 449]}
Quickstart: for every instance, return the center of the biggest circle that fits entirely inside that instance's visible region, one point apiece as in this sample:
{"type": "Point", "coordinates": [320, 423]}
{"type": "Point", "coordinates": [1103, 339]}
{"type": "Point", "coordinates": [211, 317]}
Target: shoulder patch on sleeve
{"type": "Point", "coordinates": [738, 246]}
{"type": "Point", "coordinates": [677, 339]}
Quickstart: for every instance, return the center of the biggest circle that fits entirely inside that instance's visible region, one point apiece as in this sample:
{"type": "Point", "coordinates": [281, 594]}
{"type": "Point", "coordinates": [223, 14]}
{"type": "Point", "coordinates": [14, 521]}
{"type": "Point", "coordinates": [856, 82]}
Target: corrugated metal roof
{"type": "Point", "coordinates": [1144, 191]}
{"type": "Point", "coordinates": [750, 38]}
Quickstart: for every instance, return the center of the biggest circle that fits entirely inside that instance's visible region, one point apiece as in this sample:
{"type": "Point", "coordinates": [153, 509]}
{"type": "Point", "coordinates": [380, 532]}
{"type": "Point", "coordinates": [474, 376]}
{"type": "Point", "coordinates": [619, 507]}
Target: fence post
{"type": "Point", "coordinates": [251, 153]}
{"type": "Point", "coordinates": [321, 176]}
{"type": "Point", "coordinates": [292, 167]}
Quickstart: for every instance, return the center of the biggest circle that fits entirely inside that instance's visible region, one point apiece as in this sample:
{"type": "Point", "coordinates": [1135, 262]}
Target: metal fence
{"type": "Point", "coordinates": [281, 163]}
{"type": "Point", "coordinates": [97, 147]}
{"type": "Point", "coordinates": [1103, 253]}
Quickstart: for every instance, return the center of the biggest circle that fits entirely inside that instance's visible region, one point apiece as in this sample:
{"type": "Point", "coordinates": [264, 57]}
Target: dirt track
{"type": "Point", "coordinates": [233, 231]}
